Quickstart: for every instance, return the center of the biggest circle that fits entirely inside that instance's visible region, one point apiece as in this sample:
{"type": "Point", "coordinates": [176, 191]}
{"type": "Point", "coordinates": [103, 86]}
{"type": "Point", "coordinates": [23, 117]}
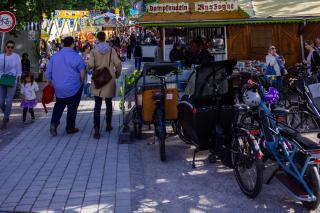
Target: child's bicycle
{"type": "Point", "coordinates": [297, 157]}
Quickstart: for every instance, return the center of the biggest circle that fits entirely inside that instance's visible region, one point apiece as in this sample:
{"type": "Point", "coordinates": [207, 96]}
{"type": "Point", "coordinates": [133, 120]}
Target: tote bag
{"type": "Point", "coordinates": [7, 80]}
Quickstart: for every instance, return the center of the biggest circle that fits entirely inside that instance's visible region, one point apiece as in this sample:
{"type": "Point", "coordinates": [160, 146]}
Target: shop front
{"type": "Point", "coordinates": [239, 29]}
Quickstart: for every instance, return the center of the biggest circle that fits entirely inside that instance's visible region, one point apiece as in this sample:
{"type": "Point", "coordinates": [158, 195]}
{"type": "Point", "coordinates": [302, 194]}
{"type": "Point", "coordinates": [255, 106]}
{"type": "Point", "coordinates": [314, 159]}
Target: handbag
{"type": "Point", "coordinates": [270, 70]}
{"type": "Point", "coordinates": [102, 76]}
{"type": "Point", "coordinates": [7, 80]}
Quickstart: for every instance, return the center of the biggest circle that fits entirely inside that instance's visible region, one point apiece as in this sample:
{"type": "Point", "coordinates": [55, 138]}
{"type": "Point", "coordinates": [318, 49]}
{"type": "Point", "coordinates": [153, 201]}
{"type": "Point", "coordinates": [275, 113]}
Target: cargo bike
{"type": "Point", "coordinates": [156, 100]}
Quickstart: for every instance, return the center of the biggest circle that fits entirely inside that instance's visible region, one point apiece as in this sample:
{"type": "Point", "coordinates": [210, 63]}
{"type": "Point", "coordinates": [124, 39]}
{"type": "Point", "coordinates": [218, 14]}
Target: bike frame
{"type": "Point", "coordinates": [285, 160]}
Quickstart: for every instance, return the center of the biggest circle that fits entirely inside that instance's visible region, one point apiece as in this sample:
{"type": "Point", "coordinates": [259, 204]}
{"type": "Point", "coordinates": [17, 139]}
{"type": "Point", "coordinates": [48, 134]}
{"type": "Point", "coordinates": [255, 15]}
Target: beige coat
{"type": "Point", "coordinates": [98, 60]}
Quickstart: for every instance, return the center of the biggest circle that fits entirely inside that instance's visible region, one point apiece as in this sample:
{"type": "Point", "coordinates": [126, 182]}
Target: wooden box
{"type": "Point", "coordinates": [171, 103]}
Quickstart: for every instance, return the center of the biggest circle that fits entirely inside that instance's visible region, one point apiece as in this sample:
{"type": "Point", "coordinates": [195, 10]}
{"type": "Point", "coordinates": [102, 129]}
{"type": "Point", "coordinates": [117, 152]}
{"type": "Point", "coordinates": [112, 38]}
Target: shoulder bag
{"type": "Point", "coordinates": [102, 76]}
{"type": "Point", "coordinates": [7, 80]}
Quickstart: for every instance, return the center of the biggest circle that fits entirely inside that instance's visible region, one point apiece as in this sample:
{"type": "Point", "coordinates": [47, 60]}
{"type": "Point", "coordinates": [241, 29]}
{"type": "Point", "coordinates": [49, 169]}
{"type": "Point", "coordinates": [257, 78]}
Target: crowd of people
{"type": "Point", "coordinates": [71, 59]}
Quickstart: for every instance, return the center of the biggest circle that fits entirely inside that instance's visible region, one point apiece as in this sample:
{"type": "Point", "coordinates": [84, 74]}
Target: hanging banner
{"type": "Point", "coordinates": [72, 23]}
{"type": "Point", "coordinates": [60, 22]}
{"type": "Point", "coordinates": [71, 14]}
{"type": "Point", "coordinates": [82, 22]}
{"type": "Point", "coordinates": [168, 8]}
{"type": "Point", "coordinates": [216, 6]}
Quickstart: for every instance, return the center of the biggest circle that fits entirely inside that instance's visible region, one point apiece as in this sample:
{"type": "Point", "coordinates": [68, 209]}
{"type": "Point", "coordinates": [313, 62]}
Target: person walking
{"type": "Point", "coordinates": [25, 63]}
{"type": "Point", "coordinates": [103, 58]}
{"type": "Point", "coordinates": [29, 100]}
{"type": "Point", "coordinates": [312, 60]}
{"type": "Point", "coordinates": [137, 56]}
{"type": "Point", "coordinates": [317, 44]}
{"type": "Point", "coordinates": [128, 50]}
{"type": "Point", "coordinates": [66, 72]}
{"type": "Point", "coordinates": [10, 72]}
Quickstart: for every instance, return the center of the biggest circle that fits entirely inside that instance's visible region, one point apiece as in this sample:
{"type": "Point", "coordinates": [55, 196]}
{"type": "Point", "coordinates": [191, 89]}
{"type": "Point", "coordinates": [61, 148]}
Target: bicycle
{"type": "Point", "coordinates": [304, 113]}
{"type": "Point", "coordinates": [155, 101]}
{"type": "Point", "coordinates": [297, 157]}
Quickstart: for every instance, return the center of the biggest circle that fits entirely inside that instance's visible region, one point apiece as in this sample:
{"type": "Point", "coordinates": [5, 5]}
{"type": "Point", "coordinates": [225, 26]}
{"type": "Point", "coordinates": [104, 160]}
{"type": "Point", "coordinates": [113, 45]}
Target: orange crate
{"type": "Point", "coordinates": [171, 103]}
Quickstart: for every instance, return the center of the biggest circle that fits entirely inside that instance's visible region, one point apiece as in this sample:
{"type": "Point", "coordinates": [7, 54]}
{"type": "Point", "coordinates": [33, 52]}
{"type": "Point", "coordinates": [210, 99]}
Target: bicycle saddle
{"type": "Point", "coordinates": [304, 142]}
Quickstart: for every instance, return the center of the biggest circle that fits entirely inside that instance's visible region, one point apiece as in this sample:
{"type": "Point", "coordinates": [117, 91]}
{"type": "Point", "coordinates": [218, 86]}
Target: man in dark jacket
{"type": "Point", "coordinates": [137, 56]}
{"type": "Point", "coordinates": [197, 54]}
{"type": "Point", "coordinates": [176, 53]}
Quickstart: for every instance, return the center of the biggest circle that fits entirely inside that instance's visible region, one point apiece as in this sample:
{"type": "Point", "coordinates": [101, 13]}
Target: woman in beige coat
{"type": "Point", "coordinates": [100, 57]}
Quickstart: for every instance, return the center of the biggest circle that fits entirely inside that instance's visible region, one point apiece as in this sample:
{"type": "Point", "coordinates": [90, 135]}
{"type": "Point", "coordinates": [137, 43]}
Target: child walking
{"type": "Point", "coordinates": [29, 100]}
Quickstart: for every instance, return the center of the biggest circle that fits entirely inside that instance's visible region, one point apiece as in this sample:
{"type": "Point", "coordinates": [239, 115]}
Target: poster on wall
{"type": "Point", "coordinates": [180, 7]}
{"type": "Point", "coordinates": [216, 6]}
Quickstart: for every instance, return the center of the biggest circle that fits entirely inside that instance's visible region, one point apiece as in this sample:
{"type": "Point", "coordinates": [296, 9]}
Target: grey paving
{"type": "Point", "coordinates": [174, 186]}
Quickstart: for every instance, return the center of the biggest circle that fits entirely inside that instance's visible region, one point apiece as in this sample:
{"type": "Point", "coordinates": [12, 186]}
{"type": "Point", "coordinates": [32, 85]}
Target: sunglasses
{"type": "Point", "coordinates": [273, 48]}
{"type": "Point", "coordinates": [10, 47]}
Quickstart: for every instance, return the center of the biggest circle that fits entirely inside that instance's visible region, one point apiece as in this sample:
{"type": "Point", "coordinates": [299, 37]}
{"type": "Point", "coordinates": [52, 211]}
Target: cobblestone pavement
{"type": "Point", "coordinates": [174, 186]}
{"type": "Point", "coordinates": [69, 173]}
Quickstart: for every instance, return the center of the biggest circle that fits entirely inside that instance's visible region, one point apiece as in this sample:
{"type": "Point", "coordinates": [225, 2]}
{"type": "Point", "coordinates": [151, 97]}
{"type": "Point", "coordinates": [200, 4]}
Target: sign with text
{"type": "Point", "coordinates": [7, 21]}
{"type": "Point", "coordinates": [168, 8]}
{"type": "Point", "coordinates": [216, 6]}
{"type": "Point", "coordinates": [71, 14]}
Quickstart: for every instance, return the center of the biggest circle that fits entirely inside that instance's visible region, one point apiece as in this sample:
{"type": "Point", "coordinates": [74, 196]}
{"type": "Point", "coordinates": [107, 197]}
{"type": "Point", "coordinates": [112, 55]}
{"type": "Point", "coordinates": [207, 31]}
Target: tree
{"type": "Point", "coordinates": [33, 10]}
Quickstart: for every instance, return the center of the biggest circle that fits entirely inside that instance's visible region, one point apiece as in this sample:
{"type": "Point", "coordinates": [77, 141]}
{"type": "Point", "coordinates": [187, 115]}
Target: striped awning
{"type": "Point", "coordinates": [32, 26]}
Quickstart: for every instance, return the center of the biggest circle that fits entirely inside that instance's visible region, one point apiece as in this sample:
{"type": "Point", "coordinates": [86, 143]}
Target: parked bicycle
{"type": "Point", "coordinates": [305, 110]}
{"type": "Point", "coordinates": [156, 102]}
{"type": "Point", "coordinates": [297, 157]}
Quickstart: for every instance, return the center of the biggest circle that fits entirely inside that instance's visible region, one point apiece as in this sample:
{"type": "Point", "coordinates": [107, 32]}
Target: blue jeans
{"type": "Point", "coordinates": [277, 83]}
{"type": "Point", "coordinates": [137, 63]}
{"type": "Point", "coordinates": [72, 103]}
{"type": "Point", "coordinates": [6, 97]}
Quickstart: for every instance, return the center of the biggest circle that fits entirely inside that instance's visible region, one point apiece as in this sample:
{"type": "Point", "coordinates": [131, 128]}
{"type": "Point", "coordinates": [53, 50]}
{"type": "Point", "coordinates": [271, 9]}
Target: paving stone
{"type": "Point", "coordinates": [68, 168]}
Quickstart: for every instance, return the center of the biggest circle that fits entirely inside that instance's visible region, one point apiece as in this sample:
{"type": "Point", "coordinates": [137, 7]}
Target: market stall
{"type": "Point", "coordinates": [249, 27]}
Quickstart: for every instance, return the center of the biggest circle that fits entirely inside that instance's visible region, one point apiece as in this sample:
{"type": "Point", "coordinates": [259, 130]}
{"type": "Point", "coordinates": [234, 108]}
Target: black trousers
{"type": "Point", "coordinates": [97, 110]}
{"type": "Point", "coordinates": [61, 103]}
{"type": "Point", "coordinates": [25, 110]}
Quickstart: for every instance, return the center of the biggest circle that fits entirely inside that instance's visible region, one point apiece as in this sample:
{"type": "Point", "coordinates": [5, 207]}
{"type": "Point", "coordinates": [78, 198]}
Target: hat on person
{"type": "Point", "coordinates": [47, 96]}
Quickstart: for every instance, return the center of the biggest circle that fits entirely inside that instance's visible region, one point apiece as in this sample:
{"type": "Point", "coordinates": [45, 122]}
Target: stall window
{"type": "Point", "coordinates": [261, 38]}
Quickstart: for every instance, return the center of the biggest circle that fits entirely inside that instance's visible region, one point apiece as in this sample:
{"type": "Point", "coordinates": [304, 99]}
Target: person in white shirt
{"type": "Point", "coordinates": [10, 64]}
{"type": "Point", "coordinates": [29, 100]}
{"type": "Point", "coordinates": [277, 62]}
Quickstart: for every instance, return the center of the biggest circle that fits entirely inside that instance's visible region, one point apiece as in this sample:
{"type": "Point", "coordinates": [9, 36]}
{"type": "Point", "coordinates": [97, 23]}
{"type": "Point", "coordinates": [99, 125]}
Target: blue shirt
{"type": "Point", "coordinates": [64, 70]}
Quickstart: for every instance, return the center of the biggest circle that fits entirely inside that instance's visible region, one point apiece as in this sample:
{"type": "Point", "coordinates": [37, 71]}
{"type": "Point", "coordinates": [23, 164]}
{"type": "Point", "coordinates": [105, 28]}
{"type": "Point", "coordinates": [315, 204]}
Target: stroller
{"type": "Point", "coordinates": [206, 112]}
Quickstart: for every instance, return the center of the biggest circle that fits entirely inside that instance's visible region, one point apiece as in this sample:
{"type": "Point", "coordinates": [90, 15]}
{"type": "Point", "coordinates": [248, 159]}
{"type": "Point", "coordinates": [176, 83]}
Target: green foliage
{"type": "Point", "coordinates": [32, 10]}
{"type": "Point", "coordinates": [129, 82]}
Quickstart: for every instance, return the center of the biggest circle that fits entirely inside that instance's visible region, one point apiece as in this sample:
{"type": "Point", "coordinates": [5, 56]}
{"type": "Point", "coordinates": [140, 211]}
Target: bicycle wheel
{"type": "Point", "coordinates": [248, 169]}
{"type": "Point", "coordinates": [137, 124]}
{"type": "Point", "coordinates": [162, 147]}
{"type": "Point", "coordinates": [182, 135]}
{"type": "Point", "coordinates": [312, 178]}
{"type": "Point", "coordinates": [300, 120]}
{"type": "Point", "coordinates": [160, 130]}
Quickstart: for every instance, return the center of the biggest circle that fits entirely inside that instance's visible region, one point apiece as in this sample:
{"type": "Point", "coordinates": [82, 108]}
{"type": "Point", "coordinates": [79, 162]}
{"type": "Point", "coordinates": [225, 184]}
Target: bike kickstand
{"type": "Point", "coordinates": [272, 176]}
{"type": "Point", "coordinates": [194, 158]}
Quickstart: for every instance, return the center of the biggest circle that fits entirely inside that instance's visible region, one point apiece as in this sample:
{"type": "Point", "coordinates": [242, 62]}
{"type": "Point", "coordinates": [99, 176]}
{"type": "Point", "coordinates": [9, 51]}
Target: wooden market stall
{"type": "Point", "coordinates": [251, 26]}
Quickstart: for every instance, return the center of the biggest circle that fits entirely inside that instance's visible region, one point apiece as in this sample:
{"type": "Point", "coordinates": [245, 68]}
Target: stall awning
{"type": "Point", "coordinates": [249, 12]}
{"type": "Point", "coordinates": [203, 23]}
